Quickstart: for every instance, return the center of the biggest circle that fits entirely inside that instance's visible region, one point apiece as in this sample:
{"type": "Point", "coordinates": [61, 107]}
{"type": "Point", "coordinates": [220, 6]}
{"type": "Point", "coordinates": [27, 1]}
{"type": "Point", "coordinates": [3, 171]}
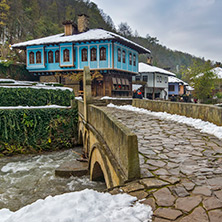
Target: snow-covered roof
{"type": "Point", "coordinates": [189, 88]}
{"type": "Point", "coordinates": [136, 86]}
{"type": "Point", "coordinates": [173, 79]}
{"type": "Point", "coordinates": [90, 35]}
{"type": "Point", "coordinates": [143, 68]}
{"type": "Point", "coordinates": [218, 72]}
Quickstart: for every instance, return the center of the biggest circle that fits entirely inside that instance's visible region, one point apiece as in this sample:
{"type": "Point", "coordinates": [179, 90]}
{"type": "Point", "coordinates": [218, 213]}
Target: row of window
{"type": "Point", "coordinates": [159, 79]}
{"type": "Point", "coordinates": [123, 55]}
{"type": "Point", "coordinates": [66, 56]}
{"type": "Point", "coordinates": [93, 54]}
{"type": "Point", "coordinates": [145, 79]}
{"type": "Point", "coordinates": [84, 53]}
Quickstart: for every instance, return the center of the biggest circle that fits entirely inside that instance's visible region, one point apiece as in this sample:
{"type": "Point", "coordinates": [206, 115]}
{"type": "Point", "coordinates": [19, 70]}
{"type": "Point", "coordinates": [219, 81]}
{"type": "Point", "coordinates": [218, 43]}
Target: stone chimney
{"type": "Point", "coordinates": [70, 27]}
{"type": "Point", "coordinates": [83, 23]}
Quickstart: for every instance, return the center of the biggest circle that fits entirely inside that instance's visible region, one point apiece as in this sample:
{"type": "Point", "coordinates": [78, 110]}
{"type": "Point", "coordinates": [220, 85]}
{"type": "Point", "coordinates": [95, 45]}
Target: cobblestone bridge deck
{"type": "Point", "coordinates": [181, 169]}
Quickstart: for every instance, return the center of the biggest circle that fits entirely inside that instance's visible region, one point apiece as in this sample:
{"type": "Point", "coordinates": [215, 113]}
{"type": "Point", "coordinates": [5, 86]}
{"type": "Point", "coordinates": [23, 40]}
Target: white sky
{"type": "Point", "coordinates": [192, 26]}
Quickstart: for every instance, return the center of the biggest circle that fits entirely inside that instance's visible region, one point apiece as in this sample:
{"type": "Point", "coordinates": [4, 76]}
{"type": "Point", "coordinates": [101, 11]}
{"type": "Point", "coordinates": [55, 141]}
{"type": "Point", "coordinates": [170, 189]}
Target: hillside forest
{"type": "Point", "coordinates": [22, 20]}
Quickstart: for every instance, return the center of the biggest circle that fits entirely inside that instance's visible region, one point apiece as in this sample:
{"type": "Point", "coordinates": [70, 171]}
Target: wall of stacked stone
{"type": "Point", "coordinates": [200, 111]}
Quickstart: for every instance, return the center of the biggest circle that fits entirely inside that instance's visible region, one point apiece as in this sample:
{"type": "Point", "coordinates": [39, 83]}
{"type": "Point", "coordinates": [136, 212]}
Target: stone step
{"type": "Point", "coordinates": [72, 168]}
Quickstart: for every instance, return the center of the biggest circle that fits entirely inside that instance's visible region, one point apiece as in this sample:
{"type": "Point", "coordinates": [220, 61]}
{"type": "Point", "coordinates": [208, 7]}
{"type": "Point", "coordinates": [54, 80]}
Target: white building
{"type": "Point", "coordinates": [155, 79]}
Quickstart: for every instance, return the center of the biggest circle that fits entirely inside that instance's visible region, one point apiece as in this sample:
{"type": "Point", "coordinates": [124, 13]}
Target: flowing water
{"type": "Point", "coordinates": [25, 179]}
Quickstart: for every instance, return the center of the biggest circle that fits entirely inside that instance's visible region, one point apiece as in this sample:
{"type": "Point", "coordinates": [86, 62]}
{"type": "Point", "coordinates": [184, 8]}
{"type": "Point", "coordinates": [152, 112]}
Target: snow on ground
{"type": "Point", "coordinates": [78, 98]}
{"type": "Point", "coordinates": [35, 107]}
{"type": "Point", "coordinates": [41, 87]}
{"type": "Point", "coordinates": [7, 80]}
{"type": "Point", "coordinates": [85, 206]}
{"type": "Point", "coordinates": [203, 126]}
{"type": "Point", "coordinates": [219, 104]}
{"type": "Point", "coordinates": [115, 98]}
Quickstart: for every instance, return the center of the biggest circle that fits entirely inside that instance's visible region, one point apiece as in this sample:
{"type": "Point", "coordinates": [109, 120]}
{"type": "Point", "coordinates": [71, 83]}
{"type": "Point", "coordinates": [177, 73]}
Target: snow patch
{"type": "Point", "coordinates": [86, 205]}
{"type": "Point", "coordinates": [78, 98]}
{"type": "Point", "coordinates": [35, 107]}
{"type": "Point", "coordinates": [40, 87]}
{"type": "Point", "coordinates": [115, 98]}
{"type": "Point", "coordinates": [203, 126]}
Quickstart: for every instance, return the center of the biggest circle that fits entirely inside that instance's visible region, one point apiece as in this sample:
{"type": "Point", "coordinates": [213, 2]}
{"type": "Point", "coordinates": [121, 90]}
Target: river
{"type": "Point", "coordinates": [27, 178]}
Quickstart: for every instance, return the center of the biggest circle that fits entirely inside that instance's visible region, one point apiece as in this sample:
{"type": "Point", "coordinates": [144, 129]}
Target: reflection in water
{"type": "Point", "coordinates": [24, 179]}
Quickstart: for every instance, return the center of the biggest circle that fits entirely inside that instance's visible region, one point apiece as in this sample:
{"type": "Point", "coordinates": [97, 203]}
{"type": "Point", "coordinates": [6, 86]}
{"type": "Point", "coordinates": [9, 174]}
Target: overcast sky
{"type": "Point", "coordinates": [192, 26]}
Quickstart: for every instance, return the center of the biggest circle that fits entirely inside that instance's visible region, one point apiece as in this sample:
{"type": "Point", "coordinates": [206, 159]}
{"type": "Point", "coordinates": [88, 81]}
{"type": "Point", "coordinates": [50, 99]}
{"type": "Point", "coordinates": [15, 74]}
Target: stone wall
{"type": "Point", "coordinates": [105, 102]}
{"type": "Point", "coordinates": [49, 78]}
{"type": "Point", "coordinates": [200, 111]}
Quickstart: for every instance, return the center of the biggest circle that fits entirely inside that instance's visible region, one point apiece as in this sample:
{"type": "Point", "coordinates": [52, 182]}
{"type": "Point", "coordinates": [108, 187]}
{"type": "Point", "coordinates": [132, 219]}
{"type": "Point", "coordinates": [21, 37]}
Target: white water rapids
{"type": "Point", "coordinates": [25, 179]}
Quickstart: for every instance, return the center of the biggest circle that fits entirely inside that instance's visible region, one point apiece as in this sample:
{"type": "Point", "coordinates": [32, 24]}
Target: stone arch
{"type": "Point", "coordinates": [97, 174]}
{"type": "Point", "coordinates": [86, 144]}
{"type": "Point", "coordinates": [98, 166]}
{"type": "Point", "coordinates": [80, 138]}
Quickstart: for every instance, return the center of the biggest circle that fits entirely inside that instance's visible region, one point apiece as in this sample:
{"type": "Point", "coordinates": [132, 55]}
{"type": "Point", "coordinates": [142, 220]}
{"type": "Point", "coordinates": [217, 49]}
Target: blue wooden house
{"type": "Point", "coordinates": [113, 56]}
{"type": "Point", "coordinates": [177, 87]}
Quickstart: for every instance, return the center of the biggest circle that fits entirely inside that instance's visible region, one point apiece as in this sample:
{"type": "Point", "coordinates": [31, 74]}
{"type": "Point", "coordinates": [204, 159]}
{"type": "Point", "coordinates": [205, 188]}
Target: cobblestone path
{"type": "Point", "coordinates": [181, 169]}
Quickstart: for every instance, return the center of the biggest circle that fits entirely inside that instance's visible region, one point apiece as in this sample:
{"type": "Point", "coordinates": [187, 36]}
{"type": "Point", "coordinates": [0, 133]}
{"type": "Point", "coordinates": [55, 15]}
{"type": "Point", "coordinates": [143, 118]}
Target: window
{"type": "Point", "coordinates": [57, 56]}
{"type": "Point", "coordinates": [119, 55]}
{"type": "Point", "coordinates": [130, 59]}
{"type": "Point", "coordinates": [31, 58]}
{"type": "Point", "coordinates": [171, 88]}
{"type": "Point", "coordinates": [137, 78]}
{"type": "Point", "coordinates": [50, 57]}
{"type": "Point", "coordinates": [38, 57]}
{"type": "Point", "coordinates": [145, 78]}
{"type": "Point", "coordinates": [84, 55]}
{"type": "Point", "coordinates": [93, 54]}
{"type": "Point", "coordinates": [160, 78]}
{"type": "Point", "coordinates": [124, 56]}
{"type": "Point", "coordinates": [134, 60]}
{"type": "Point", "coordinates": [66, 55]}
{"type": "Point", "coordinates": [103, 53]}
{"type": "Point", "coordinates": [166, 79]}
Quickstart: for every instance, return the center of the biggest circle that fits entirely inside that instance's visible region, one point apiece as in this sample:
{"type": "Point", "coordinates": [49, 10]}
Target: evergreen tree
{"type": "Point", "coordinates": [4, 10]}
{"type": "Point", "coordinates": [124, 29]}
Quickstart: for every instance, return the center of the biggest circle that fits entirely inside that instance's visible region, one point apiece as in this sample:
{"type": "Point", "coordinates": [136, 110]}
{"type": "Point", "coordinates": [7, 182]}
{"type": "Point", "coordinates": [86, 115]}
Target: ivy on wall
{"type": "Point", "coordinates": [15, 71]}
{"type": "Point", "coordinates": [34, 97]}
{"type": "Point", "coordinates": [35, 130]}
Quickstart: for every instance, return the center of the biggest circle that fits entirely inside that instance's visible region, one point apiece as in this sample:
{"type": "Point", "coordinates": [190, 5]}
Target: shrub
{"type": "Point", "coordinates": [34, 130]}
{"type": "Point", "coordinates": [34, 97]}
{"type": "Point", "coordinates": [219, 95]}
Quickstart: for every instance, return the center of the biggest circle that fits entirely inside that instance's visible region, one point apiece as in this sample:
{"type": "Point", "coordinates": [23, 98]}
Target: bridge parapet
{"type": "Point", "coordinates": [201, 111]}
{"type": "Point", "coordinates": [111, 147]}
{"type": "Point", "coordinates": [115, 144]}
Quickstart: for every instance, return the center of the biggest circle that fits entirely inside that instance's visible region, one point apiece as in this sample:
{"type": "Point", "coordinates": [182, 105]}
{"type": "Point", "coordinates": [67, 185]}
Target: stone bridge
{"type": "Point", "coordinates": [111, 148]}
{"type": "Point", "coordinates": [173, 167]}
